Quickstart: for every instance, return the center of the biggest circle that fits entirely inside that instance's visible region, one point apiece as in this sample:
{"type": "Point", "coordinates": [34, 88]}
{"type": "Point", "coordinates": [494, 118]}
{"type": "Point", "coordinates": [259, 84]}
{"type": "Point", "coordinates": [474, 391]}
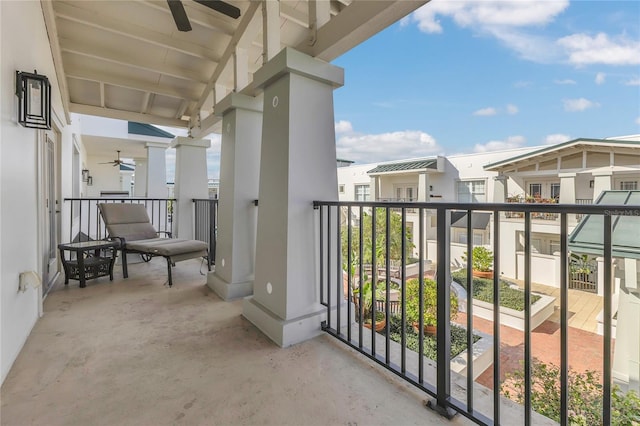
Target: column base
{"type": "Point", "coordinates": [284, 333]}
{"type": "Point", "coordinates": [229, 291]}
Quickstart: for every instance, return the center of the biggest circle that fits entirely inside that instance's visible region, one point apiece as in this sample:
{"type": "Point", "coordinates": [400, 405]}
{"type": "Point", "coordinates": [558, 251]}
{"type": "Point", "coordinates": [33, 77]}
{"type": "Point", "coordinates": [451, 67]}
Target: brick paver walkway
{"type": "Point", "coordinates": [585, 348]}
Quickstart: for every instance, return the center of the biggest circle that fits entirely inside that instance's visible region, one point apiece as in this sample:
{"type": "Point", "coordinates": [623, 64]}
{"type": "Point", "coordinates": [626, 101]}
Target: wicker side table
{"type": "Point", "coordinates": [89, 262]}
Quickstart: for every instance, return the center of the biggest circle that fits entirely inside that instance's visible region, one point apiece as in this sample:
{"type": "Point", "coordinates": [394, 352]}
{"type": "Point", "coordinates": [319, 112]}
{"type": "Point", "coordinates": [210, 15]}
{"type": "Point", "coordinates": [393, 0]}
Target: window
{"type": "Point", "coordinates": [555, 191]}
{"type": "Point", "coordinates": [471, 191]}
{"type": "Point", "coordinates": [341, 189]}
{"type": "Point", "coordinates": [405, 193]}
{"type": "Point", "coordinates": [535, 190]}
{"type": "Point", "coordinates": [478, 239]}
{"type": "Point", "coordinates": [409, 194]}
{"type": "Point", "coordinates": [362, 192]}
{"type": "Point", "coordinates": [629, 185]}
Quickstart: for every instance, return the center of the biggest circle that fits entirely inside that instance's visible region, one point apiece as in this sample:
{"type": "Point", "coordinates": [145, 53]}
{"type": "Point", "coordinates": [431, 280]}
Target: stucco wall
{"type": "Point", "coordinates": [24, 47]}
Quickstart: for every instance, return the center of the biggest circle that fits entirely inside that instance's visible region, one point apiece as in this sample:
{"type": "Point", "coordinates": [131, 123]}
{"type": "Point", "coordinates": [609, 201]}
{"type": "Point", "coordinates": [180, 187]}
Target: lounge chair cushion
{"type": "Point", "coordinates": [169, 247]}
{"type": "Point", "coordinates": [128, 221]}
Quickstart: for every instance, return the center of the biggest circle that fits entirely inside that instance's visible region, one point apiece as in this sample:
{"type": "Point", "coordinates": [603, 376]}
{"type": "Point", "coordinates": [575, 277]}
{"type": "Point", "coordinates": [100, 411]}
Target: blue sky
{"type": "Point", "coordinates": [463, 76]}
{"type": "Point", "coordinates": [471, 76]}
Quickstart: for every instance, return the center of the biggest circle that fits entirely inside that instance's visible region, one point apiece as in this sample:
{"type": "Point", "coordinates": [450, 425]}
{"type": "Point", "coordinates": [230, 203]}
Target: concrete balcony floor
{"type": "Point", "coordinates": [135, 352]}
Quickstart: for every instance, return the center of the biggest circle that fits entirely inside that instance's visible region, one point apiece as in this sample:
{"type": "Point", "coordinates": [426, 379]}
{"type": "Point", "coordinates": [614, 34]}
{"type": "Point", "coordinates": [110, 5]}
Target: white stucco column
{"type": "Point", "coordinates": [601, 182]}
{"type": "Point", "coordinates": [374, 189]}
{"type": "Point", "coordinates": [298, 166]}
{"type": "Point", "coordinates": [567, 188]}
{"type": "Point", "coordinates": [156, 170]}
{"type": "Point", "coordinates": [499, 189]}
{"type": "Point", "coordinates": [237, 213]}
{"type": "Point", "coordinates": [423, 188]}
{"type": "Point", "coordinates": [190, 181]}
{"type": "Point", "coordinates": [626, 358]}
{"type": "Point", "coordinates": [140, 181]}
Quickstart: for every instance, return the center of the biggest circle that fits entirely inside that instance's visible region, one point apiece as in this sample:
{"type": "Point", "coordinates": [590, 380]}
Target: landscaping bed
{"type": "Point", "coordinates": [511, 302]}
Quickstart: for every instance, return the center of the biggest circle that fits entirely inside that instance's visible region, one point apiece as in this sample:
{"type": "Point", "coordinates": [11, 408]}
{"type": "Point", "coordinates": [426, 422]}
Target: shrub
{"type": "Point", "coordinates": [481, 259]}
{"type": "Point", "coordinates": [483, 290]}
{"type": "Point", "coordinates": [429, 344]}
{"type": "Point", "coordinates": [430, 302]}
{"type": "Point", "coordinates": [585, 396]}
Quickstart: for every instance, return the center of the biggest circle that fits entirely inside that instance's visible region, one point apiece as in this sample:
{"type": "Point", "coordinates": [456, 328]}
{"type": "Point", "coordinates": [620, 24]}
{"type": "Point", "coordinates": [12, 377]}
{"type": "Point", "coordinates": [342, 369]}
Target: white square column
{"type": "Point", "coordinates": [190, 181]}
{"type": "Point", "coordinates": [297, 166]}
{"type": "Point", "coordinates": [140, 178]}
{"type": "Point", "coordinates": [237, 213]}
{"type": "Point", "coordinates": [156, 170]}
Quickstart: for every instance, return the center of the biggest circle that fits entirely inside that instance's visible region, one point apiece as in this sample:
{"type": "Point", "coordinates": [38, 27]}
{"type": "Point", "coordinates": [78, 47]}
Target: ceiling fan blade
{"type": "Point", "coordinates": [179, 15]}
{"type": "Point", "coordinates": [222, 7]}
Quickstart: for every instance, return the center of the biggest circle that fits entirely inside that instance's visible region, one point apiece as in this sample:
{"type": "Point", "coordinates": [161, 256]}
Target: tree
{"type": "Point", "coordinates": [395, 239]}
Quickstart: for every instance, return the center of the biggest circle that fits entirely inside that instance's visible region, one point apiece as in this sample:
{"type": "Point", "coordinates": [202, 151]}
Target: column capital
{"type": "Point", "coordinates": [156, 145]}
{"type": "Point", "coordinates": [186, 141]}
{"type": "Point", "coordinates": [238, 101]}
{"type": "Point", "coordinates": [292, 61]}
{"type": "Point", "coordinates": [501, 178]}
{"type": "Point", "coordinates": [567, 175]}
{"type": "Point", "coordinates": [602, 173]}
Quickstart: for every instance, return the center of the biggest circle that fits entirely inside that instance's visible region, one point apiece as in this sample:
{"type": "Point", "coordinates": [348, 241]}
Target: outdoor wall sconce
{"type": "Point", "coordinates": [85, 175]}
{"type": "Point", "coordinates": [34, 100]}
{"type": "Point", "coordinates": [89, 180]}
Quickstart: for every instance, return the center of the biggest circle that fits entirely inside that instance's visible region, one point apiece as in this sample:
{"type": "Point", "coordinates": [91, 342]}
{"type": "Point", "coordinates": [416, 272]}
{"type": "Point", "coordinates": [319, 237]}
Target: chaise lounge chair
{"type": "Point", "coordinates": [130, 224]}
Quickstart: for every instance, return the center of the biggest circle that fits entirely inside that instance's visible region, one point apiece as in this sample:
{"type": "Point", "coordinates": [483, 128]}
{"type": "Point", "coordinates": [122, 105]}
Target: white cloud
{"type": "Point", "coordinates": [484, 112]}
{"type": "Point", "coordinates": [556, 138]}
{"type": "Point", "coordinates": [504, 20]}
{"type": "Point", "coordinates": [369, 148]}
{"type": "Point", "coordinates": [565, 81]}
{"type": "Point", "coordinates": [522, 84]}
{"type": "Point", "coordinates": [343, 126]}
{"type": "Point", "coordinates": [632, 82]}
{"type": "Point", "coordinates": [600, 78]}
{"type": "Point", "coordinates": [580, 104]}
{"type": "Point", "coordinates": [583, 49]}
{"type": "Point", "coordinates": [488, 13]}
{"type": "Point", "coordinates": [512, 109]}
{"type": "Point", "coordinates": [638, 120]}
{"type": "Point", "coordinates": [510, 143]}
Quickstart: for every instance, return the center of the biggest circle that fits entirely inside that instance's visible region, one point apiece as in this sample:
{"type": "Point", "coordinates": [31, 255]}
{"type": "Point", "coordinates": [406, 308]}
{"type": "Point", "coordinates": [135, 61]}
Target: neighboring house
{"type": "Point", "coordinates": [572, 172]}
{"type": "Point", "coordinates": [576, 171]}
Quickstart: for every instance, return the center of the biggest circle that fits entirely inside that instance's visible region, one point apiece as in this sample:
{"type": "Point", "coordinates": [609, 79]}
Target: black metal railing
{"type": "Point", "coordinates": [206, 223]}
{"type": "Point", "coordinates": [356, 234]}
{"type": "Point", "coordinates": [87, 224]}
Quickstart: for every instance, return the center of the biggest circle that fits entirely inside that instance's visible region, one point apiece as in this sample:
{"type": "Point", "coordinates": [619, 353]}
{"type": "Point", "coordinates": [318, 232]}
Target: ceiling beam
{"type": "Point", "coordinates": [114, 26]}
{"type": "Point", "coordinates": [146, 100]}
{"type": "Point", "coordinates": [129, 83]}
{"type": "Point", "coordinates": [236, 39]}
{"type": "Point", "coordinates": [56, 53]}
{"type": "Point", "coordinates": [127, 115]}
{"type": "Point", "coordinates": [356, 23]}
{"type": "Point", "coordinates": [120, 58]}
{"type": "Point", "coordinates": [288, 12]}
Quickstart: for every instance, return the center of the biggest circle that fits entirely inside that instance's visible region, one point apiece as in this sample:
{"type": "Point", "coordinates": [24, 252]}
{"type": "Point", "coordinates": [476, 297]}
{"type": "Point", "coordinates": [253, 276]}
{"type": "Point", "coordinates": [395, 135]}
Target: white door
{"type": "Point", "coordinates": [52, 213]}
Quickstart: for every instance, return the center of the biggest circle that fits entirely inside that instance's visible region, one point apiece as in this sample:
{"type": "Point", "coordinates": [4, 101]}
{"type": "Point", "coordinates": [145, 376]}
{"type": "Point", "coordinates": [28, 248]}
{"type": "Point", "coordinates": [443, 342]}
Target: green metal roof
{"type": "Point", "coordinates": [405, 166]}
{"type": "Point", "coordinates": [148, 130]}
{"type": "Point", "coordinates": [588, 235]}
{"type": "Point", "coordinates": [560, 146]}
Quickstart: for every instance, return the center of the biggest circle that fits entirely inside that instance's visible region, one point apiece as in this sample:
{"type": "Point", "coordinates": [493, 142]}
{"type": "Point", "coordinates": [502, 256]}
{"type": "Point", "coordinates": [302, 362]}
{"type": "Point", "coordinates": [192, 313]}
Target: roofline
{"type": "Point", "coordinates": [550, 148]}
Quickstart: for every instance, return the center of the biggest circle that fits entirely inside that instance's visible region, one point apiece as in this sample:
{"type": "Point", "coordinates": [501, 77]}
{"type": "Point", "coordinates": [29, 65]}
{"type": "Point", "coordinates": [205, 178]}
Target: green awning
{"type": "Point", "coordinates": [405, 166]}
{"type": "Point", "coordinates": [588, 236]}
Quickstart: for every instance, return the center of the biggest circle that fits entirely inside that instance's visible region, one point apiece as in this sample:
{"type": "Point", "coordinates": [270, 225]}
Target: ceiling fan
{"type": "Point", "coordinates": [118, 161]}
{"type": "Point", "coordinates": [180, 15]}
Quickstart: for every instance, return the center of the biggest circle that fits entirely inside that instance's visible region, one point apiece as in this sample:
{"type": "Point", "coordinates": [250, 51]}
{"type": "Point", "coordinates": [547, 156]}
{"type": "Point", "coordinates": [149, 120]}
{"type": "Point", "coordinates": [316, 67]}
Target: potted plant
{"type": "Point", "coordinates": [367, 305]}
{"type": "Point", "coordinates": [481, 262]}
{"type": "Point", "coordinates": [429, 306]}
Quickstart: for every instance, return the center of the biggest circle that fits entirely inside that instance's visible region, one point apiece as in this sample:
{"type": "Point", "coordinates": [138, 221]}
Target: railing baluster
{"type": "Point", "coordinates": [349, 271]}
{"type": "Point", "coordinates": [361, 276]}
{"type": "Point", "coordinates": [374, 279]}
{"type": "Point", "coordinates": [527, 318]}
{"type": "Point", "coordinates": [564, 322]}
{"type": "Point", "coordinates": [387, 250]}
{"type": "Point", "coordinates": [403, 278]}
{"type": "Point", "coordinates": [608, 293]}
{"type": "Point", "coordinates": [339, 278]}
{"type": "Point", "coordinates": [496, 318]}
{"type": "Point", "coordinates": [469, 312]}
{"type": "Point", "coordinates": [421, 296]}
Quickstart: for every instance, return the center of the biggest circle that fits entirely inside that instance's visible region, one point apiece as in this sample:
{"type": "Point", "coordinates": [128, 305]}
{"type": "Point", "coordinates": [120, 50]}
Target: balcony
{"type": "Point", "coordinates": [133, 352]}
